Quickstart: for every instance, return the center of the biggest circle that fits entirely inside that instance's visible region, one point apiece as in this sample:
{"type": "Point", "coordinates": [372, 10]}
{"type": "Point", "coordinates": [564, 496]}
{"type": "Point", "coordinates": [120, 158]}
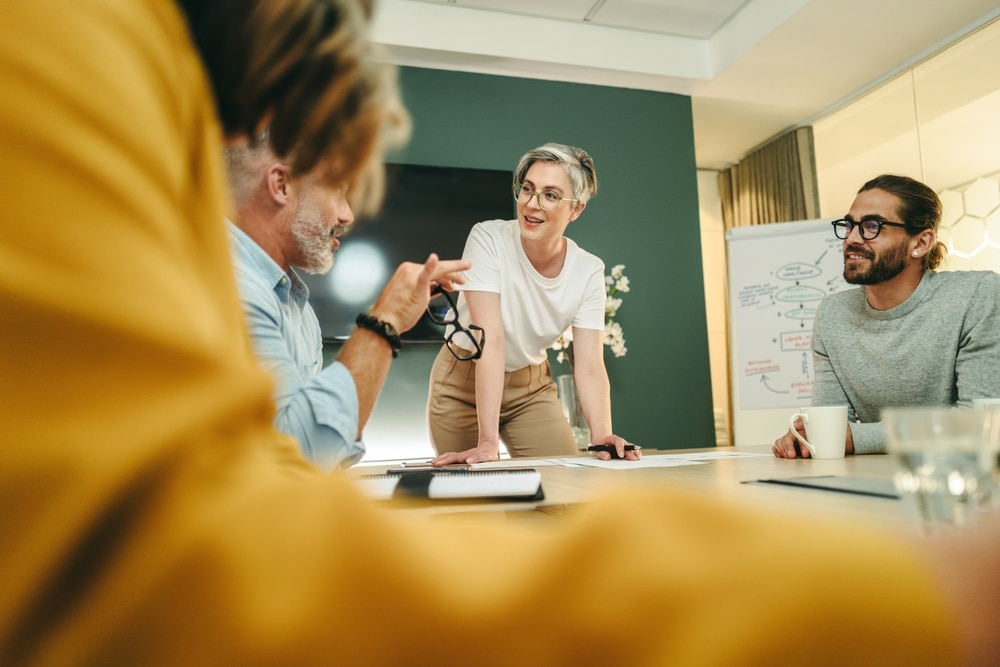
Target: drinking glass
{"type": "Point", "coordinates": [946, 462]}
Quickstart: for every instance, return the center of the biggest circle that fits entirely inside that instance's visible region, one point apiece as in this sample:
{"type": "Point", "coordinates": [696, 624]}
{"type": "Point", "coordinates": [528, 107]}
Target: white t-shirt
{"type": "Point", "coordinates": [535, 309]}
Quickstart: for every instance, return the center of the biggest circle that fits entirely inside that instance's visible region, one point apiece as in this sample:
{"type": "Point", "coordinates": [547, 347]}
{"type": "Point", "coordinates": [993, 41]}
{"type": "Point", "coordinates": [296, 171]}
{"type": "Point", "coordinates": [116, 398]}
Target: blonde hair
{"type": "Point", "coordinates": [576, 162]}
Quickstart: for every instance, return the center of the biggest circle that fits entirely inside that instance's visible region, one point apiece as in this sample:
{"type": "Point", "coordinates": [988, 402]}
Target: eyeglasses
{"type": "Point", "coordinates": [547, 199]}
{"type": "Point", "coordinates": [868, 228]}
{"type": "Point", "coordinates": [464, 344]}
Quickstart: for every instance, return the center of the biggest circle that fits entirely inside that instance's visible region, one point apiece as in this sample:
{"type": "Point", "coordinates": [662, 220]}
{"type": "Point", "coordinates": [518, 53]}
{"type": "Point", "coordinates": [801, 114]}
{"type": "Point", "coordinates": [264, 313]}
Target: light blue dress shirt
{"type": "Point", "coordinates": [316, 405]}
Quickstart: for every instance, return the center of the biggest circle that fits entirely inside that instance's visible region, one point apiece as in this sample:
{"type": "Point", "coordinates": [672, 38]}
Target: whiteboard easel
{"type": "Point", "coordinates": [778, 274]}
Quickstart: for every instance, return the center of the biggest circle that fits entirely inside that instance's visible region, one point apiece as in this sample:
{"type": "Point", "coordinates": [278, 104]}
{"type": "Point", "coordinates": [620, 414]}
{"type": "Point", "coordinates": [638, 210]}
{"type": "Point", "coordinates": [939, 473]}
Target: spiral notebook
{"type": "Point", "coordinates": [506, 484]}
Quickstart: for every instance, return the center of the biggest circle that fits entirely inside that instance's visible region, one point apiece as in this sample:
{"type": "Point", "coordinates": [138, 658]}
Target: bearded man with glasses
{"type": "Point", "coordinates": [910, 335]}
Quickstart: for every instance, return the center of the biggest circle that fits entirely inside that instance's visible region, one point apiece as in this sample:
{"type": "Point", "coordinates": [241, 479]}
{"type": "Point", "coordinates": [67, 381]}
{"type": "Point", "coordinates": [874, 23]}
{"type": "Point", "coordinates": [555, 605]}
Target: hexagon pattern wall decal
{"type": "Point", "coordinates": [970, 224]}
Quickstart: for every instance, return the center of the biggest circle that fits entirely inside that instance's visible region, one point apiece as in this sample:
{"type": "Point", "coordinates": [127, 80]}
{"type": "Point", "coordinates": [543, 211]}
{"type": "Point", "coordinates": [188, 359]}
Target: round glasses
{"type": "Point", "coordinates": [868, 229]}
{"type": "Point", "coordinates": [547, 199]}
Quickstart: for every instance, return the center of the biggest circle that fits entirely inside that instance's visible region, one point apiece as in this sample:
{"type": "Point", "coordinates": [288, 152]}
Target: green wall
{"type": "Point", "coordinates": [645, 216]}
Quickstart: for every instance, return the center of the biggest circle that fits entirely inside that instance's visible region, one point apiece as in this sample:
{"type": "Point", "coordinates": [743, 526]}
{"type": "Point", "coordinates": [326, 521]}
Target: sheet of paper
{"type": "Point", "coordinates": [515, 463]}
{"type": "Point", "coordinates": [708, 456]}
{"type": "Point", "coordinates": [652, 461]}
{"type": "Point", "coordinates": [647, 461]}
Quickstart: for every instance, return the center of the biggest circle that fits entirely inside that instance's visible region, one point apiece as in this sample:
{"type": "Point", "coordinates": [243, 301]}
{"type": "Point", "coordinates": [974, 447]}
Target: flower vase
{"type": "Point", "coordinates": [571, 408]}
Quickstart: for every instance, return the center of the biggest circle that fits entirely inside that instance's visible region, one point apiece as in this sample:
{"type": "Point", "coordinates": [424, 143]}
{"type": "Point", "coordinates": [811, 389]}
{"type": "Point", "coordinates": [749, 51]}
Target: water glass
{"type": "Point", "coordinates": [946, 462]}
{"type": "Point", "coordinates": [574, 413]}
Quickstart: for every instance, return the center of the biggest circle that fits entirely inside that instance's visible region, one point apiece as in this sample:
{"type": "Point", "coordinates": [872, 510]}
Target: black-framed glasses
{"type": "Point", "coordinates": [465, 344]}
{"type": "Point", "coordinates": [869, 228]}
{"type": "Point", "coordinates": [547, 199]}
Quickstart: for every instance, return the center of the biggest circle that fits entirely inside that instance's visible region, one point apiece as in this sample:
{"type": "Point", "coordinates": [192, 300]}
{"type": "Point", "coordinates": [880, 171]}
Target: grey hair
{"type": "Point", "coordinates": [245, 163]}
{"type": "Point", "coordinates": [576, 162]}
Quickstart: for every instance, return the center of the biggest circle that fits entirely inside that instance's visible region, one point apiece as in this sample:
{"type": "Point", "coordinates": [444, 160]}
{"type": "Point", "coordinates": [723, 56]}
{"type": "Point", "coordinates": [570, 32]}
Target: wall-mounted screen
{"type": "Point", "coordinates": [426, 209]}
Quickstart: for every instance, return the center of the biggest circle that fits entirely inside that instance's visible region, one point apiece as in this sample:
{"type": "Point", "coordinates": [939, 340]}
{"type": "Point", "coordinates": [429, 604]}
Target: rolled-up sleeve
{"type": "Point", "coordinates": [322, 414]}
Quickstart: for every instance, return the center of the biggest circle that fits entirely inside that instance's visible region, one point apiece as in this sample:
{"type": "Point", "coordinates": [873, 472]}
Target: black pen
{"type": "Point", "coordinates": [610, 449]}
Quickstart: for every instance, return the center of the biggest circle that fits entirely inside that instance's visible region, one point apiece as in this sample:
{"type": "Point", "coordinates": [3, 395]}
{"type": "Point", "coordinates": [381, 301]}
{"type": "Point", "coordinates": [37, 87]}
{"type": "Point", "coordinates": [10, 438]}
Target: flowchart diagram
{"type": "Point", "coordinates": [777, 279]}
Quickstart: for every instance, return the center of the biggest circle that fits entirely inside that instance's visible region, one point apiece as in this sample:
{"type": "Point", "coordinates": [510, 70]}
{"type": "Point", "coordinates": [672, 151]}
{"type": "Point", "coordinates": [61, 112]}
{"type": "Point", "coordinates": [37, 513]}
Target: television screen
{"type": "Point", "coordinates": [426, 209]}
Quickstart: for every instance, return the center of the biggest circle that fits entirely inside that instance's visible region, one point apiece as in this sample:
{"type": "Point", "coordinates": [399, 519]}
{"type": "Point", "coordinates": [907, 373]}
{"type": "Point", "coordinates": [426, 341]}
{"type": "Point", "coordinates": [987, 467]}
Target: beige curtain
{"type": "Point", "coordinates": [775, 183]}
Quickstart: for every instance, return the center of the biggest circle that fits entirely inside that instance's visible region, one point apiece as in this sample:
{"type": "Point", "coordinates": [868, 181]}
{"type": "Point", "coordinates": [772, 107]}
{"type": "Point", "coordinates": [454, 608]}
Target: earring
{"type": "Point", "coordinates": [914, 253]}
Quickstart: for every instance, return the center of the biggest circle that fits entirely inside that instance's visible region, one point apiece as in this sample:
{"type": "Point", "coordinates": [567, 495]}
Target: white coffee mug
{"type": "Point", "coordinates": [826, 427]}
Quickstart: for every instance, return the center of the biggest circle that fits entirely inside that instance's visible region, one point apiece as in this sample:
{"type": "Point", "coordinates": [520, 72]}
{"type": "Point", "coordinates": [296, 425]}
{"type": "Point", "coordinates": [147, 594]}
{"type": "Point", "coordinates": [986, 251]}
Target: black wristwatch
{"type": "Point", "coordinates": [383, 329]}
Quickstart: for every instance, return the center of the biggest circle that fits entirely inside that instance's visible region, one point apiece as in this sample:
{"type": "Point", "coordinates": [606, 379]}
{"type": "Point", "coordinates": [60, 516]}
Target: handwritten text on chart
{"type": "Point", "coordinates": [758, 367]}
{"type": "Point", "coordinates": [800, 293]}
{"type": "Point", "coordinates": [797, 340]}
{"type": "Point", "coordinates": [803, 389]}
{"type": "Point", "coordinates": [779, 274]}
{"type": "Point", "coordinates": [755, 295]}
{"type": "Point", "coordinates": [798, 271]}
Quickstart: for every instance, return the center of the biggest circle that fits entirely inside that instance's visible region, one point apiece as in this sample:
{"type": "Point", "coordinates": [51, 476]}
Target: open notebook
{"type": "Point", "coordinates": [516, 484]}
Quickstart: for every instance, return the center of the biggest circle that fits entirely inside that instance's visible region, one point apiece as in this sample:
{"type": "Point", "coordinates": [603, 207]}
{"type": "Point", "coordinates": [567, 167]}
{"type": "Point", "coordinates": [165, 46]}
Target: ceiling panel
{"type": "Point", "coordinates": [564, 10]}
{"type": "Point", "coordinates": [685, 18]}
{"type": "Point", "coordinates": [753, 68]}
{"type": "Point", "coordinates": [689, 18]}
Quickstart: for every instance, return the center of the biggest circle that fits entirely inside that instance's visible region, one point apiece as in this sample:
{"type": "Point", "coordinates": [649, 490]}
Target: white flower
{"type": "Point", "coordinates": [612, 331]}
{"type": "Point", "coordinates": [614, 338]}
{"type": "Point", "coordinates": [564, 340]}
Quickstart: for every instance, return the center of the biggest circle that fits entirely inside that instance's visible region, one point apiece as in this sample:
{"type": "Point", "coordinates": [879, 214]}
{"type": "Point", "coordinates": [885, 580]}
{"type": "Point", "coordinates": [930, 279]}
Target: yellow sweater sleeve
{"type": "Point", "coordinates": [149, 513]}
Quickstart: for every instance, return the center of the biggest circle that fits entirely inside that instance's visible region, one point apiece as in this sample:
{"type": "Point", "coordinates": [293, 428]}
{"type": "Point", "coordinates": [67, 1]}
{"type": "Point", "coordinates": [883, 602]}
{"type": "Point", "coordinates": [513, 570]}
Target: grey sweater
{"type": "Point", "coordinates": [939, 347]}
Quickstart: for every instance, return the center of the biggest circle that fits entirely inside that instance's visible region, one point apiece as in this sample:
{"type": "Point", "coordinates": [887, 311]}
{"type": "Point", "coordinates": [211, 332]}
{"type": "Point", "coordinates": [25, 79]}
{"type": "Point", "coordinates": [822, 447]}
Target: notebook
{"type": "Point", "coordinates": [857, 485]}
{"type": "Point", "coordinates": [514, 484]}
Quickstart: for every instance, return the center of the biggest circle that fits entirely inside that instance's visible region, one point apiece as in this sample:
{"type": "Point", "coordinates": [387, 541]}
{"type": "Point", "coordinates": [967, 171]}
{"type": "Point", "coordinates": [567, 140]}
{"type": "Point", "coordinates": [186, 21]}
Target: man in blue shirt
{"type": "Point", "coordinates": [283, 220]}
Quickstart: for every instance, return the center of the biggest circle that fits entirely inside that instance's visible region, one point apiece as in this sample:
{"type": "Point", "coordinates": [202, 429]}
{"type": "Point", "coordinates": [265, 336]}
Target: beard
{"type": "Point", "coordinates": [882, 267]}
{"type": "Point", "coordinates": [313, 239]}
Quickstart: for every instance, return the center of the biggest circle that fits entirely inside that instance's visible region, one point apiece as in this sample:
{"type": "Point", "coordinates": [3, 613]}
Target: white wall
{"type": "Point", "coordinates": [938, 122]}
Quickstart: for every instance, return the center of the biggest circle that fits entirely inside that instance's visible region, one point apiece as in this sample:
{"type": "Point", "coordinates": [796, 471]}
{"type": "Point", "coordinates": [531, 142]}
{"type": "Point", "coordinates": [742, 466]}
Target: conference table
{"type": "Point", "coordinates": [732, 474]}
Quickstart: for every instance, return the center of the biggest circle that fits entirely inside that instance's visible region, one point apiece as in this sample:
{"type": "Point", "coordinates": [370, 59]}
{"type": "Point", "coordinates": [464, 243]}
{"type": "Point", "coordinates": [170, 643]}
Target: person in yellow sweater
{"type": "Point", "coordinates": [151, 514]}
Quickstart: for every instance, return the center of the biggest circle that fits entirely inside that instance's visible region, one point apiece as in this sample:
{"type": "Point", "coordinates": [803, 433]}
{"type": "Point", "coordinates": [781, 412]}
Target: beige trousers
{"type": "Point", "coordinates": [532, 422]}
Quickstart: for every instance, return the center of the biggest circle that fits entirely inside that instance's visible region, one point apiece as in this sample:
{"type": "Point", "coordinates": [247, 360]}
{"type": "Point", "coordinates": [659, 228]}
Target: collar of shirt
{"type": "Point", "coordinates": [285, 285]}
